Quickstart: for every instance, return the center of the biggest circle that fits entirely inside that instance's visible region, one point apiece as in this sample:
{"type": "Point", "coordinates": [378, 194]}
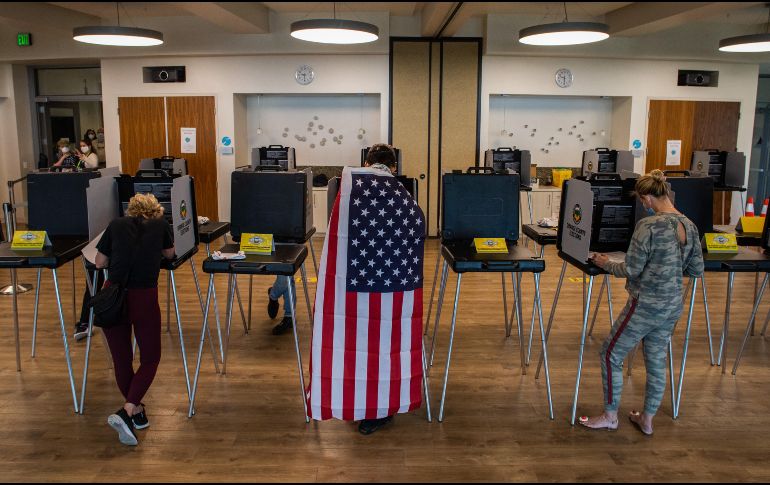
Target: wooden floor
{"type": "Point", "coordinates": [249, 424]}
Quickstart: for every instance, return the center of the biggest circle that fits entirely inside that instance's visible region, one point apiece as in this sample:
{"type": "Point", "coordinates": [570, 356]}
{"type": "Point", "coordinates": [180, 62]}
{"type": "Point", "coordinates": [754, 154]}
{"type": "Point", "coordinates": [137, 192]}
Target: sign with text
{"type": "Point", "coordinates": [30, 240]}
{"type": "Point", "coordinates": [578, 216]}
{"type": "Point", "coordinates": [673, 153]}
{"type": "Point", "coordinates": [182, 207]}
{"type": "Point", "coordinates": [257, 243]}
{"type": "Point", "coordinates": [189, 136]}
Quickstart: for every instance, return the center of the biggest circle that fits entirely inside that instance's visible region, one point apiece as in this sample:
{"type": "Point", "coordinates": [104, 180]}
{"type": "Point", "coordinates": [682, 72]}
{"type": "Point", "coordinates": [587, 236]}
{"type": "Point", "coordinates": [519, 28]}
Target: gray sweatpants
{"type": "Point", "coordinates": [646, 322]}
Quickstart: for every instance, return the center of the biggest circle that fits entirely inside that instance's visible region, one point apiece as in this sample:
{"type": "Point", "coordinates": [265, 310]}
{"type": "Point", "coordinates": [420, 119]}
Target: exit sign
{"type": "Point", "coordinates": [24, 39]}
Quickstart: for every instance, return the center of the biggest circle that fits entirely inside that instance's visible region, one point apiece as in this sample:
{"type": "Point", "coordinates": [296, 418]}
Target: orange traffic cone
{"type": "Point", "coordinates": [764, 208]}
{"type": "Point", "coordinates": [750, 207]}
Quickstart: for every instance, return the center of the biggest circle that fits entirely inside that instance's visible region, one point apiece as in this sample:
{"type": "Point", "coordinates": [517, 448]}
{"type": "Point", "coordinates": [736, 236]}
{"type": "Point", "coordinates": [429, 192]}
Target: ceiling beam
{"type": "Point", "coordinates": [463, 14]}
{"type": "Point", "coordinates": [434, 14]}
{"type": "Point", "coordinates": [47, 15]}
{"type": "Point", "coordinates": [642, 18]}
{"type": "Point", "coordinates": [235, 17]}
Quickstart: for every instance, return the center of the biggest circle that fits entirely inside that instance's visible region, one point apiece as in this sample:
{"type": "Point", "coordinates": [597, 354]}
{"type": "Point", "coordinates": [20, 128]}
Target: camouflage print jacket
{"type": "Point", "coordinates": [656, 261]}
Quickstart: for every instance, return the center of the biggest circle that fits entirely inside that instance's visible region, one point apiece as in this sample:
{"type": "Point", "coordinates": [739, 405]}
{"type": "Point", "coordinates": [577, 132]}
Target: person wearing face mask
{"type": "Point", "coordinates": [664, 247]}
{"type": "Point", "coordinates": [67, 159]}
{"type": "Point", "coordinates": [86, 156]}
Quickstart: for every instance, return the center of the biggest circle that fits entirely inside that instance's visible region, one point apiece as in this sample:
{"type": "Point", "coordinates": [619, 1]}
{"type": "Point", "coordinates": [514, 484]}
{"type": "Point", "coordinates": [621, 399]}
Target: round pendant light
{"type": "Point", "coordinates": [748, 43]}
{"type": "Point", "coordinates": [564, 33]}
{"type": "Point", "coordinates": [334, 30]}
{"type": "Point", "coordinates": [117, 35]}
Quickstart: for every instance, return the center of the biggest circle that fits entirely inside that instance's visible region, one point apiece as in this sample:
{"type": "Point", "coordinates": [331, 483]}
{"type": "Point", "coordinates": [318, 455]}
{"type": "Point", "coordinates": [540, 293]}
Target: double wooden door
{"type": "Point", "coordinates": [151, 127]}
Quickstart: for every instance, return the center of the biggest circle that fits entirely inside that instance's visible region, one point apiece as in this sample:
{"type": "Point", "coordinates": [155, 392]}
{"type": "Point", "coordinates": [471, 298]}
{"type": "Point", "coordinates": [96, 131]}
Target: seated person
{"type": "Point", "coordinates": [378, 232]}
{"type": "Point", "coordinates": [280, 289]}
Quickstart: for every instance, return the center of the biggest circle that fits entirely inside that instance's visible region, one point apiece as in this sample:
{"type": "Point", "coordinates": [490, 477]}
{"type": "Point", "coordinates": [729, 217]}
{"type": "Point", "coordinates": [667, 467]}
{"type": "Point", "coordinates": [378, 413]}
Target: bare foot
{"type": "Point", "coordinates": [602, 421]}
{"type": "Point", "coordinates": [642, 421]}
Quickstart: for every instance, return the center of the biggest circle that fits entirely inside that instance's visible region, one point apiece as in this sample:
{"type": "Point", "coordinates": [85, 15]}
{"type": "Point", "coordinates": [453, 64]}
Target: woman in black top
{"type": "Point", "coordinates": [131, 248]}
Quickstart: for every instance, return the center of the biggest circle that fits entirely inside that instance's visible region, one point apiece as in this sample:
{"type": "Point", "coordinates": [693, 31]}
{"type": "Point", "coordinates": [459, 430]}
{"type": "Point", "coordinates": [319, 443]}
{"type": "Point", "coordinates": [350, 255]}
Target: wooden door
{"type": "Point", "coordinates": [142, 131]}
{"type": "Point", "coordinates": [196, 112]}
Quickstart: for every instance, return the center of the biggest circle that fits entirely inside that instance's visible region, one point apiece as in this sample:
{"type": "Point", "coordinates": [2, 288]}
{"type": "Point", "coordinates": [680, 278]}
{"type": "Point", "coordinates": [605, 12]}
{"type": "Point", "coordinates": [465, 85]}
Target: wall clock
{"type": "Point", "coordinates": [304, 75]}
{"type": "Point", "coordinates": [564, 78]}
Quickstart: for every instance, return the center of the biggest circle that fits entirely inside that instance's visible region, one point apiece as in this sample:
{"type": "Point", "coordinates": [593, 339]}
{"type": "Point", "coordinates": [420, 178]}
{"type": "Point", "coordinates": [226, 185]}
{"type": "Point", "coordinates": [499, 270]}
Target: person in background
{"type": "Point", "coordinates": [131, 248]}
{"type": "Point", "coordinates": [86, 156]}
{"type": "Point", "coordinates": [665, 246]}
{"type": "Point", "coordinates": [67, 159]}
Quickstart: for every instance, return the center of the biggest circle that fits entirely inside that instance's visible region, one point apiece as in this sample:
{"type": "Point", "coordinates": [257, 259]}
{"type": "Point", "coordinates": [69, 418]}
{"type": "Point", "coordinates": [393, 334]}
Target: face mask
{"type": "Point", "coordinates": [65, 149]}
{"type": "Point", "coordinates": [91, 136]}
{"type": "Point", "coordinates": [85, 149]}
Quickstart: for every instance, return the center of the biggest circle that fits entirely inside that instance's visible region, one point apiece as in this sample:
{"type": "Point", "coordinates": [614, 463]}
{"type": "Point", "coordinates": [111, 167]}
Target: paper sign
{"type": "Point", "coordinates": [257, 243]}
{"type": "Point", "coordinates": [673, 152]}
{"type": "Point", "coordinates": [34, 240]}
{"type": "Point", "coordinates": [721, 243]}
{"type": "Point", "coordinates": [490, 245]}
{"type": "Point", "coordinates": [188, 140]}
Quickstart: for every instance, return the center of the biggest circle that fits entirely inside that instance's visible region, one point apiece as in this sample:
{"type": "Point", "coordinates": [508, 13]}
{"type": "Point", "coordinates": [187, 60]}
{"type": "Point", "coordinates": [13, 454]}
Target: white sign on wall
{"type": "Point", "coordinates": [673, 152]}
{"type": "Point", "coordinates": [188, 140]}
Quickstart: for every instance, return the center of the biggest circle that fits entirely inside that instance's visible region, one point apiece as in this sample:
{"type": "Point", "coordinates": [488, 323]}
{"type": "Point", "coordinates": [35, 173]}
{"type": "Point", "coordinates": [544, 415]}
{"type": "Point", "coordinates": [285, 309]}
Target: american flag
{"type": "Point", "coordinates": [366, 354]}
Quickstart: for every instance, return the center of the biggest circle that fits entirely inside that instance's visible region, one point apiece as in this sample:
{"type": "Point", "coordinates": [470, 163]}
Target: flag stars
{"type": "Point", "coordinates": [373, 222]}
{"type": "Point", "coordinates": [359, 182]}
{"type": "Point", "coordinates": [382, 193]}
{"type": "Point", "coordinates": [354, 262]}
{"type": "Point", "coordinates": [399, 212]}
{"type": "Point", "coordinates": [390, 222]}
{"type": "Point", "coordinates": [381, 232]}
{"type": "Point", "coordinates": [380, 252]}
{"type": "Point", "coordinates": [356, 222]}
{"type": "Point", "coordinates": [365, 212]}
{"type": "Point", "coordinates": [380, 273]}
{"type": "Point", "coordinates": [371, 263]}
{"type": "Point", "coordinates": [389, 242]}
{"type": "Point", "coordinates": [374, 202]}
{"type": "Point", "coordinates": [391, 201]}
{"type": "Point", "coordinates": [355, 242]}
{"type": "Point", "coordinates": [382, 212]}
{"type": "Point", "coordinates": [367, 193]}
{"type": "Point", "coordinates": [388, 263]}
{"type": "Point", "coordinates": [362, 273]}
{"type": "Point", "coordinates": [353, 282]}
{"type": "Point", "coordinates": [372, 243]}
{"type": "Point", "coordinates": [387, 282]}
{"type": "Point", "coordinates": [357, 202]}
{"type": "Point", "coordinates": [374, 183]}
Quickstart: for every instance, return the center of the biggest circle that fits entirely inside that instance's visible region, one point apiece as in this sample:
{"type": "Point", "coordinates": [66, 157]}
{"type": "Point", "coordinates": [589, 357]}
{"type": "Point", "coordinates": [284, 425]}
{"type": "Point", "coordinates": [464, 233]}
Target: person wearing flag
{"type": "Point", "coordinates": [367, 360]}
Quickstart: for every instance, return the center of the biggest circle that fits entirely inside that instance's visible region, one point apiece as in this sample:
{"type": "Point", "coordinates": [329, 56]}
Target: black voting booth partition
{"type": "Point", "coordinates": [264, 202]}
{"type": "Point", "coordinates": [728, 169]}
{"type": "Point", "coordinates": [604, 160]}
{"type": "Point", "coordinates": [274, 156]}
{"type": "Point", "coordinates": [485, 204]}
{"type": "Point", "coordinates": [177, 196]}
{"type": "Point", "coordinates": [174, 167]}
{"type": "Point", "coordinates": [507, 158]}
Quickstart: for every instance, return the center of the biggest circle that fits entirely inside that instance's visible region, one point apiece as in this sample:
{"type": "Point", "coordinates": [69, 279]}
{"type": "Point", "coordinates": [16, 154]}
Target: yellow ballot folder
{"type": "Point", "coordinates": [751, 225]}
{"type": "Point", "coordinates": [490, 245]}
{"type": "Point", "coordinates": [720, 243]}
{"type": "Point", "coordinates": [257, 243]}
{"type": "Point", "coordinates": [30, 240]}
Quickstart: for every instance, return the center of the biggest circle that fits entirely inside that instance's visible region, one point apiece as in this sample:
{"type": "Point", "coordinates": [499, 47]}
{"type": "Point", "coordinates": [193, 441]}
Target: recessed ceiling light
{"type": "Point", "coordinates": [564, 33]}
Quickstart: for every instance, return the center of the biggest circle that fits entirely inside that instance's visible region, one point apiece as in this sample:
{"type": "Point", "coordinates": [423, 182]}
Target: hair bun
{"type": "Point", "coordinates": [657, 175]}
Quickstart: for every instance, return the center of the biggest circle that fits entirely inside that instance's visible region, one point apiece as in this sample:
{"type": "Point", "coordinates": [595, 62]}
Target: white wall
{"type": "Point", "coordinates": [544, 126]}
{"type": "Point", "coordinates": [226, 77]}
{"type": "Point", "coordinates": [287, 119]}
{"type": "Point", "coordinates": [642, 81]}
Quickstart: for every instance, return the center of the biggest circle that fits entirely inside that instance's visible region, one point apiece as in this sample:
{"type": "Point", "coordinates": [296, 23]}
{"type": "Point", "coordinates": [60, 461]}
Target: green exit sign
{"type": "Point", "coordinates": [24, 39]}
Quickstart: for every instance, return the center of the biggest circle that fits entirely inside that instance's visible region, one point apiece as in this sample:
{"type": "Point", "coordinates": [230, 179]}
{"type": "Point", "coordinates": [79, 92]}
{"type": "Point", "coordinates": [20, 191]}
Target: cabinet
{"type": "Point", "coordinates": [545, 203]}
{"type": "Point", "coordinates": [320, 214]}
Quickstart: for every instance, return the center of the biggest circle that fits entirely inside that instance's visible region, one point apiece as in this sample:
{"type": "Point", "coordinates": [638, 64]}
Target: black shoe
{"type": "Point", "coordinates": [121, 423]}
{"type": "Point", "coordinates": [272, 305]}
{"type": "Point", "coordinates": [140, 419]}
{"type": "Point", "coordinates": [282, 327]}
{"type": "Point", "coordinates": [81, 331]}
{"type": "Point", "coordinates": [369, 426]}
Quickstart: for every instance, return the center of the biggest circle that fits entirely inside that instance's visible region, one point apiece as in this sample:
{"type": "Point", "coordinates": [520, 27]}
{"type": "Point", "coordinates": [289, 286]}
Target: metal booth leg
{"type": "Point", "coordinates": [425, 383]}
{"type": "Point", "coordinates": [505, 306]}
{"type": "Point", "coordinates": [432, 293]}
{"type": "Point", "coordinates": [92, 291]}
{"type": "Point", "coordinates": [582, 348]}
{"type": "Point", "coordinates": [204, 331]}
{"type": "Point", "coordinates": [293, 303]}
{"type": "Point", "coordinates": [553, 312]}
{"type": "Point", "coordinates": [168, 301]}
{"type": "Point", "coordinates": [685, 348]}
{"type": "Point", "coordinates": [708, 318]}
{"type": "Point", "coordinates": [751, 322]}
{"type": "Point", "coordinates": [74, 295]}
{"type": "Point", "coordinates": [671, 377]}
{"type": "Point", "coordinates": [251, 291]}
{"type": "Point", "coordinates": [181, 336]}
{"type": "Point", "coordinates": [307, 294]}
{"type": "Point", "coordinates": [519, 323]}
{"type": "Point", "coordinates": [216, 312]}
{"type": "Point", "coordinates": [515, 312]}
{"type": "Point", "coordinates": [240, 304]}
{"type": "Point", "coordinates": [767, 320]}
{"type": "Point", "coordinates": [64, 337]}
{"type": "Point", "coordinates": [439, 304]}
{"type": "Point", "coordinates": [15, 311]}
{"type": "Point", "coordinates": [723, 341]}
{"type": "Point", "coordinates": [532, 323]}
{"type": "Point", "coordinates": [598, 305]}
{"type": "Point", "coordinates": [214, 355]}
{"type": "Point", "coordinates": [35, 314]}
{"type": "Point", "coordinates": [228, 318]}
{"type": "Point", "coordinates": [449, 351]}
{"type": "Point", "coordinates": [543, 344]}
{"type": "Point", "coordinates": [312, 255]}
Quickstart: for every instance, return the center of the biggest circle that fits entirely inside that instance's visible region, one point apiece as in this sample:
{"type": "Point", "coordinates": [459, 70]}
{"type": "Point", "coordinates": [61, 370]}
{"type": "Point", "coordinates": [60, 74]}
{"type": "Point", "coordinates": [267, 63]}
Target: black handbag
{"type": "Point", "coordinates": [109, 304]}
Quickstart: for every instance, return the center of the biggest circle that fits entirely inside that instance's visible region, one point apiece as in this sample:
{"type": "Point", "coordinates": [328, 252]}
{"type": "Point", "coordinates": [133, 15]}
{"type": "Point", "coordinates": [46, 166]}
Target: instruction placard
{"type": "Point", "coordinates": [673, 152]}
{"type": "Point", "coordinates": [721, 243]}
{"type": "Point", "coordinates": [189, 140]}
{"type": "Point", "coordinates": [30, 240]}
{"type": "Point", "coordinates": [257, 243]}
{"type": "Point", "coordinates": [490, 245]}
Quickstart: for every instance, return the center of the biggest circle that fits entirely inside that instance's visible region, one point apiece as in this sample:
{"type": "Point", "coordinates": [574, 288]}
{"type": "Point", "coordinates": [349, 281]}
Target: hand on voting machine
{"type": "Point", "coordinates": [613, 256]}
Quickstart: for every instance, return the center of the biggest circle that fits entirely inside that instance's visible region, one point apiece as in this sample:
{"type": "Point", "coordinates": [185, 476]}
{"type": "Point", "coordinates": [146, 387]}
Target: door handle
{"type": "Point", "coordinates": [422, 176]}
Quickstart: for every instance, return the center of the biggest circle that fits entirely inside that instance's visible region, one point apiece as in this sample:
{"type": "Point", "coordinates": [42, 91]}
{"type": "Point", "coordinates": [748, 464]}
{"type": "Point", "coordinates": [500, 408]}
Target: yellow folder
{"type": "Point", "coordinates": [490, 245]}
{"type": "Point", "coordinates": [720, 243]}
{"type": "Point", "coordinates": [31, 240]}
{"type": "Point", "coordinates": [257, 243]}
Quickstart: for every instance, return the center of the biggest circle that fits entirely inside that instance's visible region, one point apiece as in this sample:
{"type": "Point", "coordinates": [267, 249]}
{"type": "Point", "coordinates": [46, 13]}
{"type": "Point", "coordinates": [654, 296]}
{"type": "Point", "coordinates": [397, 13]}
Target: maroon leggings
{"type": "Point", "coordinates": [144, 316]}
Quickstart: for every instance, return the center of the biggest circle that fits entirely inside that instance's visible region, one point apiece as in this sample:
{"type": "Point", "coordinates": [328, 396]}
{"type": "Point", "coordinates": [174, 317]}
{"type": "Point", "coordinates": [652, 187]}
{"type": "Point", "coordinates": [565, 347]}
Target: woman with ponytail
{"type": "Point", "coordinates": [665, 246]}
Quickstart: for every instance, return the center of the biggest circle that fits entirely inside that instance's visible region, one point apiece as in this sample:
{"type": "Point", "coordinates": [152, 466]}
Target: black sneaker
{"type": "Point", "coordinates": [272, 305]}
{"type": "Point", "coordinates": [140, 419]}
{"type": "Point", "coordinates": [282, 327]}
{"type": "Point", "coordinates": [369, 426]}
{"type": "Point", "coordinates": [121, 423]}
{"type": "Point", "coordinates": [81, 331]}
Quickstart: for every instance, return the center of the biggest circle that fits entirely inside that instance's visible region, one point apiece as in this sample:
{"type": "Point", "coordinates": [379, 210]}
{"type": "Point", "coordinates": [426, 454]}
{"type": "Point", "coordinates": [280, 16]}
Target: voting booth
{"type": "Point", "coordinates": [274, 155]}
{"type": "Point", "coordinates": [604, 160]}
{"type": "Point", "coordinates": [174, 167]}
{"type": "Point", "coordinates": [693, 197]}
{"type": "Point", "coordinates": [506, 158]}
{"type": "Point", "coordinates": [57, 202]}
{"type": "Point", "coordinates": [277, 203]}
{"type": "Point", "coordinates": [399, 167]}
{"type": "Point", "coordinates": [728, 169]}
